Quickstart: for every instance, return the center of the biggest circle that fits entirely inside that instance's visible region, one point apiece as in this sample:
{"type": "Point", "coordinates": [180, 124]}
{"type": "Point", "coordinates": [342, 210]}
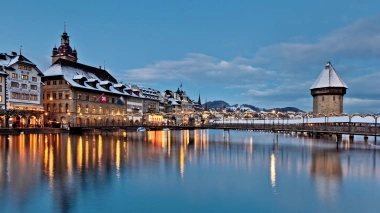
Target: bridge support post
{"type": "Point", "coordinates": [365, 139]}
{"type": "Point", "coordinates": [351, 138]}
{"type": "Point", "coordinates": [339, 138]}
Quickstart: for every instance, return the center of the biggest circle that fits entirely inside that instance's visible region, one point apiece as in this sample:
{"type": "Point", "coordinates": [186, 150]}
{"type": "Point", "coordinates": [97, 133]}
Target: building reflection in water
{"type": "Point", "coordinates": [69, 165]}
{"type": "Point", "coordinates": [326, 169]}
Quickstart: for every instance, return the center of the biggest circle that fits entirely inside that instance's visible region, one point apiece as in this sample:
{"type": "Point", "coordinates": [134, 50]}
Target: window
{"type": "Point", "coordinates": [47, 82]}
{"type": "Point", "coordinates": [79, 108]}
{"type": "Point", "coordinates": [79, 96]}
{"type": "Point", "coordinates": [87, 97]}
{"type": "Point", "coordinates": [67, 108]}
{"type": "Point", "coordinates": [25, 96]}
{"type": "Point", "coordinates": [1, 79]}
{"type": "Point", "coordinates": [60, 81]}
{"type": "Point", "coordinates": [23, 86]}
{"type": "Point", "coordinates": [107, 111]}
{"type": "Point", "coordinates": [60, 108]}
{"type": "Point", "coordinates": [1, 98]}
{"type": "Point", "coordinates": [33, 97]}
{"type": "Point", "coordinates": [34, 79]}
{"type": "Point", "coordinates": [67, 96]}
{"type": "Point", "coordinates": [14, 84]}
{"type": "Point", "coordinates": [15, 95]}
{"type": "Point", "coordinates": [54, 95]}
{"type": "Point", "coordinates": [54, 82]}
{"type": "Point", "coordinates": [54, 108]}
{"type": "Point", "coordinates": [112, 111]}
{"type": "Point", "coordinates": [323, 98]}
{"type": "Point", "coordinates": [60, 95]}
{"type": "Point", "coordinates": [48, 96]}
{"type": "Point", "coordinates": [333, 98]}
{"type": "Point", "coordinates": [1, 88]}
{"type": "Point", "coordinates": [93, 110]}
{"type": "Point", "coordinates": [14, 75]}
{"type": "Point", "coordinates": [24, 77]}
{"type": "Point", "coordinates": [100, 110]}
{"type": "Point", "coordinates": [86, 110]}
{"type": "Point", "coordinates": [94, 98]}
{"type": "Point", "coordinates": [48, 107]}
{"type": "Point", "coordinates": [33, 87]}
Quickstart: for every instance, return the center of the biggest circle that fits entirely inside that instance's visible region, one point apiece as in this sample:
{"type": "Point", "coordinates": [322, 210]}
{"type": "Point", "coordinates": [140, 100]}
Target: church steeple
{"type": "Point", "coordinates": [64, 51]}
{"type": "Point", "coordinates": [199, 99]}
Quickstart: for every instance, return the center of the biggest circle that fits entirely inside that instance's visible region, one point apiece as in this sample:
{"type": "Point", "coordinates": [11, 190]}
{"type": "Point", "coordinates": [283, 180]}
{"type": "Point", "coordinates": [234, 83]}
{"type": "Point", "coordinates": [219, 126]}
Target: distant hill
{"type": "Point", "coordinates": [219, 105]}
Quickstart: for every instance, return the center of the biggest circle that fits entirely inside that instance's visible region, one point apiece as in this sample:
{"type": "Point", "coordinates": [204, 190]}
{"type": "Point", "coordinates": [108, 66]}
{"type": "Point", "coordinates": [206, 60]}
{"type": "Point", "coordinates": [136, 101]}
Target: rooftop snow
{"type": "Point", "coordinates": [328, 78]}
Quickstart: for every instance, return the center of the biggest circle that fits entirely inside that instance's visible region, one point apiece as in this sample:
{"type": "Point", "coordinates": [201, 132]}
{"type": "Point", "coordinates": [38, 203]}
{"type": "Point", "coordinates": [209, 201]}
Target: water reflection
{"type": "Point", "coordinates": [63, 169]}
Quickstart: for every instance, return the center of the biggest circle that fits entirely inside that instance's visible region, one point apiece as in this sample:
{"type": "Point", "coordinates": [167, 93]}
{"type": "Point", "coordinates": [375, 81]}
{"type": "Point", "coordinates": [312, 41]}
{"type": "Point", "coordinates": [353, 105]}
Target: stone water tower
{"type": "Point", "coordinates": [328, 91]}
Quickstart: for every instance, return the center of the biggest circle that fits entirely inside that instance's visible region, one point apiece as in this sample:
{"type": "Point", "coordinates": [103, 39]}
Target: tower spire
{"type": "Point", "coordinates": [20, 49]}
{"type": "Point", "coordinates": [64, 27]}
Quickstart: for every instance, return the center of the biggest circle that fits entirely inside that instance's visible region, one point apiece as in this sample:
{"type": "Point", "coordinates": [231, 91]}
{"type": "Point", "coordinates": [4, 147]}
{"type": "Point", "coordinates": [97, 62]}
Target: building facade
{"type": "Point", "coordinates": [76, 94]}
{"type": "Point", "coordinates": [21, 91]}
{"type": "Point", "coordinates": [328, 91]}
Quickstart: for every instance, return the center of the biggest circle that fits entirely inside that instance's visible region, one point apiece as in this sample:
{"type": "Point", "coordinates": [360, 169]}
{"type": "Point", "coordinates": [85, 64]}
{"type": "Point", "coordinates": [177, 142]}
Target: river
{"type": "Point", "coordinates": [186, 171]}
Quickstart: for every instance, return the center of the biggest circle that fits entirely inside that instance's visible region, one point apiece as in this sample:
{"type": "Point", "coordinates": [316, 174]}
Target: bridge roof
{"type": "Point", "coordinates": [328, 78]}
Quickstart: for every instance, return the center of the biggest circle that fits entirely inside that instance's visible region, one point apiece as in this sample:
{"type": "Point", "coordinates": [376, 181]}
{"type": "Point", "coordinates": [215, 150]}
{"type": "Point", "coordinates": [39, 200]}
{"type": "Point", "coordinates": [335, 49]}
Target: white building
{"type": "Point", "coordinates": [21, 90]}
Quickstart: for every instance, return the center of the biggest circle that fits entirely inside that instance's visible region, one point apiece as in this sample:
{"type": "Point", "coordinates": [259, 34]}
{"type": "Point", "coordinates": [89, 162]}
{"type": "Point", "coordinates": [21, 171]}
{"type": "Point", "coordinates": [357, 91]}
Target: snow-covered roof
{"type": "Point", "coordinates": [78, 77]}
{"type": "Point", "coordinates": [328, 78]}
{"type": "Point", "coordinates": [6, 61]}
{"type": "Point", "coordinates": [70, 73]}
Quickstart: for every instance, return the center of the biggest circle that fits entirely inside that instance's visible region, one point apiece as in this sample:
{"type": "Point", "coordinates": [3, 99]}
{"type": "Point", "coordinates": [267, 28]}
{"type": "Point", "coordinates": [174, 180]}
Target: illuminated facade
{"type": "Point", "coordinates": [76, 94]}
{"type": "Point", "coordinates": [20, 89]}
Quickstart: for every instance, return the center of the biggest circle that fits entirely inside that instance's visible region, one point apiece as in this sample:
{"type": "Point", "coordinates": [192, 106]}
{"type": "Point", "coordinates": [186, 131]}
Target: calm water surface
{"type": "Point", "coordinates": [186, 171]}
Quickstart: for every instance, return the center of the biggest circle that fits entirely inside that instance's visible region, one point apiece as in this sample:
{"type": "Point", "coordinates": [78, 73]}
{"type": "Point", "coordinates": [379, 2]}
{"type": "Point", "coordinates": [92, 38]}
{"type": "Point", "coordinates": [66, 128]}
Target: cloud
{"type": "Point", "coordinates": [359, 40]}
{"type": "Point", "coordinates": [201, 68]}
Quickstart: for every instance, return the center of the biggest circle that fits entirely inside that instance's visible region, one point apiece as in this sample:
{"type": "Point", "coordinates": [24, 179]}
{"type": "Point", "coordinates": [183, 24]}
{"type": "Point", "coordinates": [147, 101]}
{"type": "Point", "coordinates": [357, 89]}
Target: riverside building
{"type": "Point", "coordinates": [20, 91]}
{"type": "Point", "coordinates": [76, 94]}
{"type": "Point", "coordinates": [328, 91]}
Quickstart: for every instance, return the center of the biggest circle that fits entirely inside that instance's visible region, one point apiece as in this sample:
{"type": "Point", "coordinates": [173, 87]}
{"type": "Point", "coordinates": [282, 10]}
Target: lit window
{"type": "Point", "coordinates": [24, 77]}
{"type": "Point", "coordinates": [33, 97]}
{"type": "Point", "coordinates": [14, 75]}
{"type": "Point", "coordinates": [33, 87]}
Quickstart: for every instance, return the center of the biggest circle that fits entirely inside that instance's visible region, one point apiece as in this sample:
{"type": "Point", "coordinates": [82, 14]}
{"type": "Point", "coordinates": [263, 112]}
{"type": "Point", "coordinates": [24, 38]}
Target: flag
{"type": "Point", "coordinates": [121, 101]}
{"type": "Point", "coordinates": [103, 98]}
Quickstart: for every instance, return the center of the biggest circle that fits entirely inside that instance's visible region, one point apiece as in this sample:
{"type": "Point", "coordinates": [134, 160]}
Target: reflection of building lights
{"type": "Point", "coordinates": [117, 161]}
{"type": "Point", "coordinates": [273, 171]}
{"type": "Point", "coordinates": [182, 160]}
{"type": "Point", "coordinates": [79, 154]}
{"type": "Point", "coordinates": [69, 159]}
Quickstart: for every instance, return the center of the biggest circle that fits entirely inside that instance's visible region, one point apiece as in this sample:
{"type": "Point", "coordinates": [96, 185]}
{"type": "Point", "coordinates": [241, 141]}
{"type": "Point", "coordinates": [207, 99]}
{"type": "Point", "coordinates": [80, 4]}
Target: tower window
{"type": "Point", "coordinates": [323, 98]}
{"type": "Point", "coordinates": [333, 98]}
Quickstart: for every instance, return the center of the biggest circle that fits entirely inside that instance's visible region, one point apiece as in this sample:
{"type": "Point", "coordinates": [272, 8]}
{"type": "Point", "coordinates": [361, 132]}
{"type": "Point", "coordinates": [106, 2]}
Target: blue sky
{"type": "Point", "coordinates": [263, 53]}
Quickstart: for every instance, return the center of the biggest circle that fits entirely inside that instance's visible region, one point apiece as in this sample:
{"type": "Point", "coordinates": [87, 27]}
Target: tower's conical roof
{"type": "Point", "coordinates": [328, 78]}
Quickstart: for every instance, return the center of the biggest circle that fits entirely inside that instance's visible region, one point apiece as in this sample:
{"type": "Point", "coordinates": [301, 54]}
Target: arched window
{"type": "Point", "coordinates": [67, 108]}
{"type": "Point", "coordinates": [107, 111]}
{"type": "Point", "coordinates": [112, 111]}
{"type": "Point", "coordinates": [79, 108]}
{"type": "Point", "coordinates": [93, 110]}
{"type": "Point", "coordinates": [48, 107]}
{"type": "Point", "coordinates": [60, 108]}
{"type": "Point", "coordinates": [54, 108]}
{"type": "Point", "coordinates": [118, 111]}
{"type": "Point", "coordinates": [100, 110]}
{"type": "Point", "coordinates": [123, 111]}
{"type": "Point", "coordinates": [86, 110]}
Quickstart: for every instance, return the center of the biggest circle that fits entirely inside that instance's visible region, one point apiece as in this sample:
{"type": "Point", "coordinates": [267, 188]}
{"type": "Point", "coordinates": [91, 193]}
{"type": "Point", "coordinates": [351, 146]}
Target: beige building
{"type": "Point", "coordinates": [328, 91]}
{"type": "Point", "coordinates": [76, 94]}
